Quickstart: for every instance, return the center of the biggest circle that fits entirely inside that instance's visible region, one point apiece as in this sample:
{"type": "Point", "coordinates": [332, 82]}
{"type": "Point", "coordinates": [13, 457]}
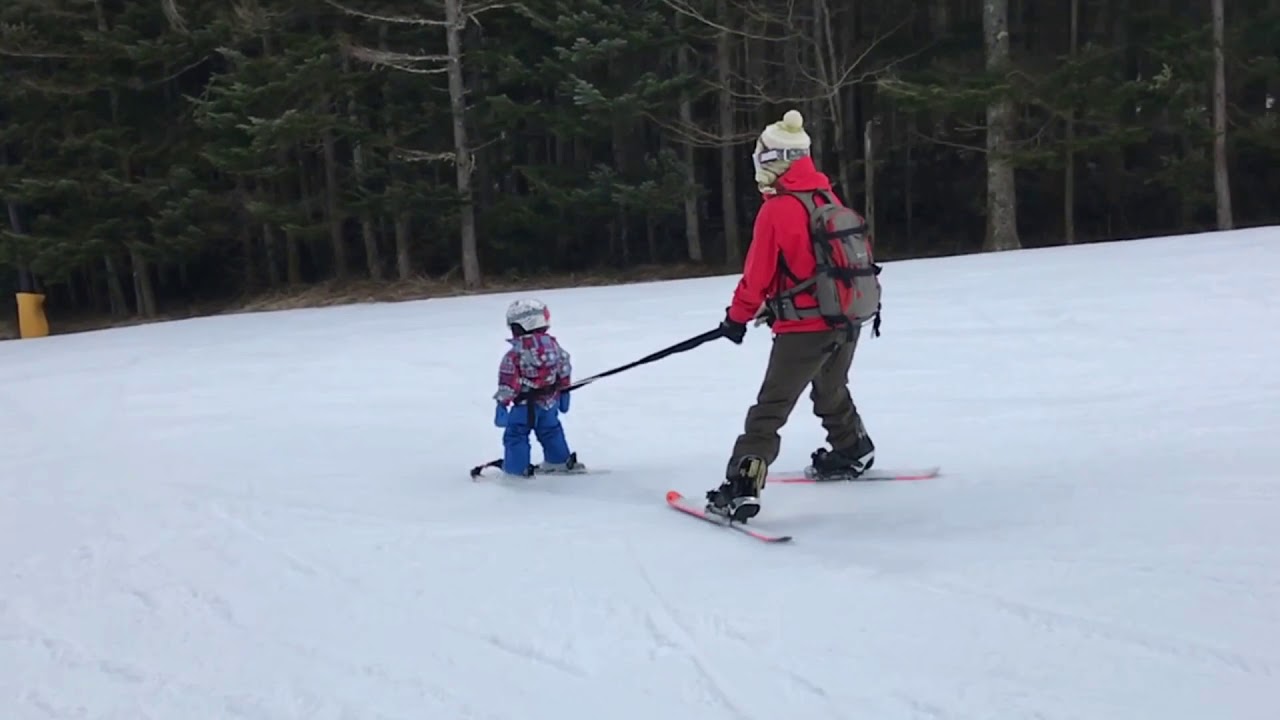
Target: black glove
{"type": "Point", "coordinates": [735, 331]}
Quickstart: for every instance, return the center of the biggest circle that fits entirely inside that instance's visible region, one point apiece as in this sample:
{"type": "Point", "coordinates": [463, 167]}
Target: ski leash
{"type": "Point", "coordinates": [682, 346]}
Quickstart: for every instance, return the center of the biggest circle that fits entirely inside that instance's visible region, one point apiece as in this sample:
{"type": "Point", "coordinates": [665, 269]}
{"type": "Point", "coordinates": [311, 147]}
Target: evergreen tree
{"type": "Point", "coordinates": [156, 156]}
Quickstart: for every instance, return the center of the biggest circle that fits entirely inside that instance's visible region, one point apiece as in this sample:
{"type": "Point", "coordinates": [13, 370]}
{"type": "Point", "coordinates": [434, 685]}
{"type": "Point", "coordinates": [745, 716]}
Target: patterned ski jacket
{"type": "Point", "coordinates": [535, 362]}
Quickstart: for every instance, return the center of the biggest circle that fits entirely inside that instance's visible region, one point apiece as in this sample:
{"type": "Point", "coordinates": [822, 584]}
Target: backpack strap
{"type": "Point", "coordinates": [782, 304]}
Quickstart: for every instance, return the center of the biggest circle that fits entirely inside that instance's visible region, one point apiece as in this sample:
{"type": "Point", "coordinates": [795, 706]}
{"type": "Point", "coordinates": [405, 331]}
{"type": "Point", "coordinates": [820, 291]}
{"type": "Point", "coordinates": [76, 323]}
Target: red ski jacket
{"type": "Point", "coordinates": [781, 228]}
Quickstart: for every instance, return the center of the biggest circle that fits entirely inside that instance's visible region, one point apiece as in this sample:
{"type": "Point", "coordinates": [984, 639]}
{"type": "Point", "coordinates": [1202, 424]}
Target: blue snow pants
{"type": "Point", "coordinates": [546, 428]}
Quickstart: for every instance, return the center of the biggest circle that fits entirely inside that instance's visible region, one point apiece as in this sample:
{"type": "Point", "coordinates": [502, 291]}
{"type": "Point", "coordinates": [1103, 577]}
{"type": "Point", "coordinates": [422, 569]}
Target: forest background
{"type": "Point", "coordinates": [163, 158]}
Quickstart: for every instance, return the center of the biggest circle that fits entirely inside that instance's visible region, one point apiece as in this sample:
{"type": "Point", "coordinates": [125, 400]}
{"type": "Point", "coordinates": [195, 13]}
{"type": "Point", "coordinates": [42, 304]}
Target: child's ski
{"type": "Point", "coordinates": [808, 477]}
{"type": "Point", "coordinates": [477, 472]}
{"type": "Point", "coordinates": [678, 502]}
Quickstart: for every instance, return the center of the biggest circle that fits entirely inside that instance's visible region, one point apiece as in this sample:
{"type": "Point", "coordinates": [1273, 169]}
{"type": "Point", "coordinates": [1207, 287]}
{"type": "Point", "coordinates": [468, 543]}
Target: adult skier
{"type": "Point", "coordinates": [815, 291]}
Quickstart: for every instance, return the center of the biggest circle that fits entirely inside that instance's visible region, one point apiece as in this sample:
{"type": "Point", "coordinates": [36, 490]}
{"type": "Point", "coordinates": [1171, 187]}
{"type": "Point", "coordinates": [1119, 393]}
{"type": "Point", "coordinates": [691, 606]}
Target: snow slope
{"type": "Point", "coordinates": [268, 516]}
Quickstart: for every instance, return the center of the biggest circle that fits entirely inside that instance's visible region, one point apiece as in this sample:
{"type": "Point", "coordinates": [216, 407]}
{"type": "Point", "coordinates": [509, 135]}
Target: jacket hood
{"type": "Point", "coordinates": [803, 175]}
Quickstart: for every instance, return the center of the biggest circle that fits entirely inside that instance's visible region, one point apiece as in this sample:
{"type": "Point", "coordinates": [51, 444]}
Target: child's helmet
{"type": "Point", "coordinates": [526, 316]}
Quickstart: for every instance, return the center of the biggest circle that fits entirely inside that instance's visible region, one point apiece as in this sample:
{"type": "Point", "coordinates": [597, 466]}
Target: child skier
{"type": "Point", "coordinates": [533, 382]}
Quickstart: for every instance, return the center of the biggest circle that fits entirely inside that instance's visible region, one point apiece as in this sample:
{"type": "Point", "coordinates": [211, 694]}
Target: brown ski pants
{"type": "Point", "coordinates": [798, 360]}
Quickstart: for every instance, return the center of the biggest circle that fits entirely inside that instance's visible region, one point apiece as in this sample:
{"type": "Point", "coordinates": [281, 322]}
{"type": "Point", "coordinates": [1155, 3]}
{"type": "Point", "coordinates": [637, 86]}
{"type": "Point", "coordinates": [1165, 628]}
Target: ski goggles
{"type": "Point", "coordinates": [767, 156]}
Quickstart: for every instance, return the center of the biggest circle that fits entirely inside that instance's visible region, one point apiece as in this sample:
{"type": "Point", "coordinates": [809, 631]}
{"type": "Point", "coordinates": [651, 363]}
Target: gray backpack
{"type": "Point", "coordinates": [846, 283]}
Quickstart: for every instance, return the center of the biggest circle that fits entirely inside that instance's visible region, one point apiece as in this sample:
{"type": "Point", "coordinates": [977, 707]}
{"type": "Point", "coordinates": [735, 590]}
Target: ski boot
{"type": "Point", "coordinates": [571, 466]}
{"type": "Point", "coordinates": [738, 497]}
{"type": "Point", "coordinates": [847, 464]}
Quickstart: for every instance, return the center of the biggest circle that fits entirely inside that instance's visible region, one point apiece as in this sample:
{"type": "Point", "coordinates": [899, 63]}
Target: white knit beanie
{"type": "Point", "coordinates": [788, 138]}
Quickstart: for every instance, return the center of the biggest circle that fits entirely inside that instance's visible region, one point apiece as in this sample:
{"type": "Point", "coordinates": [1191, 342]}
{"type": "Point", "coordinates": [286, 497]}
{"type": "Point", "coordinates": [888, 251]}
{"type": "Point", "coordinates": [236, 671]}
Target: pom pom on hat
{"type": "Point", "coordinates": [786, 134]}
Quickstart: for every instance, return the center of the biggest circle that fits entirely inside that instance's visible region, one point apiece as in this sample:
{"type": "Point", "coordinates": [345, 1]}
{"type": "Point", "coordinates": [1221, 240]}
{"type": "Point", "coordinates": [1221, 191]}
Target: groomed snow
{"type": "Point", "coordinates": [268, 516]}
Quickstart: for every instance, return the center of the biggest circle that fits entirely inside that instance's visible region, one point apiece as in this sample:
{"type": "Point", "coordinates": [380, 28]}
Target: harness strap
{"type": "Point", "coordinates": [782, 304]}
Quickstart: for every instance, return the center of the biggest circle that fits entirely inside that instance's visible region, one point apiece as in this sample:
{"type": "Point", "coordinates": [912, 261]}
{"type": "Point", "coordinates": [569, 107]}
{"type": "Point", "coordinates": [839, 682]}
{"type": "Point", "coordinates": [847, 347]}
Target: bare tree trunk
{"type": "Point", "coordinates": [292, 272]}
{"type": "Point", "coordinates": [372, 258]}
{"type": "Point", "coordinates": [1271, 103]}
{"type": "Point", "coordinates": [728, 179]}
{"type": "Point", "coordinates": [14, 221]}
{"type": "Point", "coordinates": [692, 232]}
{"type": "Point", "coordinates": [269, 241]}
{"type": "Point", "coordinates": [143, 291]}
{"type": "Point", "coordinates": [404, 264]}
{"type": "Point", "coordinates": [651, 238]}
{"type": "Point", "coordinates": [403, 220]}
{"type": "Point", "coordinates": [455, 21]}
{"type": "Point", "coordinates": [623, 138]}
{"type": "Point", "coordinates": [1112, 23]}
{"type": "Point", "coordinates": [1221, 178]}
{"type": "Point", "coordinates": [908, 193]}
{"type": "Point", "coordinates": [26, 279]}
{"type": "Point", "coordinates": [812, 56]}
{"type": "Point", "coordinates": [1069, 132]}
{"type": "Point", "coordinates": [115, 289]}
{"type": "Point", "coordinates": [939, 18]}
{"type": "Point", "coordinates": [1002, 194]}
{"type": "Point", "coordinates": [292, 246]}
{"type": "Point", "coordinates": [336, 216]}
{"type": "Point", "coordinates": [245, 235]}
{"type": "Point", "coordinates": [26, 282]}
{"type": "Point", "coordinates": [830, 64]}
{"type": "Point", "coordinates": [868, 149]}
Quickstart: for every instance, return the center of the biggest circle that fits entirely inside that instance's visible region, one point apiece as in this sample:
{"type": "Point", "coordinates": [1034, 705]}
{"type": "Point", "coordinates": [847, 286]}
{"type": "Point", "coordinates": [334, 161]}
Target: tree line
{"type": "Point", "coordinates": [170, 151]}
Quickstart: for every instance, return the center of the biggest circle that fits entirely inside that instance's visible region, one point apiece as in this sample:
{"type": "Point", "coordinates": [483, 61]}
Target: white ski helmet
{"type": "Point", "coordinates": [528, 315]}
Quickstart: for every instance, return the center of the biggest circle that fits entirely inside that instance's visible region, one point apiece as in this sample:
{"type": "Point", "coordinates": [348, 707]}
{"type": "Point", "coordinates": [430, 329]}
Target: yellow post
{"type": "Point", "coordinates": [31, 319]}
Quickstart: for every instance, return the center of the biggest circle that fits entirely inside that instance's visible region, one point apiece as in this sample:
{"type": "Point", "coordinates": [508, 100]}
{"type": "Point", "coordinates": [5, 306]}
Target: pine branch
{"type": "Point", "coordinates": [391, 19]}
{"type": "Point", "coordinates": [251, 17]}
{"type": "Point", "coordinates": [410, 155]}
{"type": "Point", "coordinates": [694, 134]}
{"type": "Point", "coordinates": [929, 138]}
{"type": "Point", "coordinates": [177, 73]}
{"type": "Point", "coordinates": [174, 16]}
{"type": "Point", "coordinates": [59, 89]}
{"type": "Point", "coordinates": [40, 55]}
{"type": "Point", "coordinates": [468, 13]}
{"type": "Point", "coordinates": [684, 7]}
{"type": "Point", "coordinates": [398, 61]}
{"type": "Point", "coordinates": [845, 78]}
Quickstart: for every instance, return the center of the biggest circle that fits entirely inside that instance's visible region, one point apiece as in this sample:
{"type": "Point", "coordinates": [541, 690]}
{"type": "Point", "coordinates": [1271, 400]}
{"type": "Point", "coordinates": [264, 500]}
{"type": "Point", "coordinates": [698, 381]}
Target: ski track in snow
{"type": "Point", "coordinates": [268, 516]}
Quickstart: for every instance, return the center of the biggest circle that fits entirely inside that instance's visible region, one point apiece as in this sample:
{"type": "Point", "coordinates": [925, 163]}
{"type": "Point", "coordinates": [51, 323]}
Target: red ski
{"type": "Point", "coordinates": [873, 475]}
{"type": "Point", "coordinates": [678, 501]}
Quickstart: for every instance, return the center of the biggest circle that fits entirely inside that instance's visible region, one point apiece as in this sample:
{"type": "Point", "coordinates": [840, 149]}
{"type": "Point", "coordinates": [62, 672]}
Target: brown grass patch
{"type": "Point", "coordinates": [333, 293]}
